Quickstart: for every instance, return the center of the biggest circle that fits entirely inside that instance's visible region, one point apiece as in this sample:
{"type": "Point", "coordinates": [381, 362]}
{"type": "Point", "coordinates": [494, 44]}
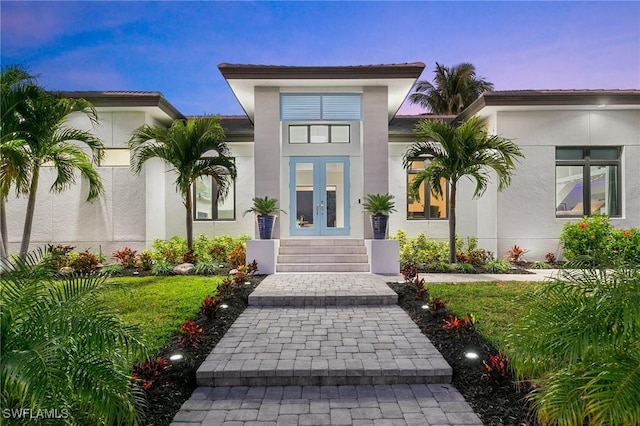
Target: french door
{"type": "Point", "coordinates": [319, 196]}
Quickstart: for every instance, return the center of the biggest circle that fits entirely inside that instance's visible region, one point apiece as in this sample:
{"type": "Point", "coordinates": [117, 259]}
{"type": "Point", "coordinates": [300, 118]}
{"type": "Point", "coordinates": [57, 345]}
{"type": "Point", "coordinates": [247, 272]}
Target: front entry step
{"type": "Point", "coordinates": [350, 345]}
{"type": "Point", "coordinates": [322, 255]}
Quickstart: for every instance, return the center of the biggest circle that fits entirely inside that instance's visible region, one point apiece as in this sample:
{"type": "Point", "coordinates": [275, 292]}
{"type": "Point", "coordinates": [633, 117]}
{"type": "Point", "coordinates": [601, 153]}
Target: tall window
{"type": "Point", "coordinates": [588, 181]}
{"type": "Point", "coordinates": [205, 202]}
{"type": "Point", "coordinates": [430, 205]}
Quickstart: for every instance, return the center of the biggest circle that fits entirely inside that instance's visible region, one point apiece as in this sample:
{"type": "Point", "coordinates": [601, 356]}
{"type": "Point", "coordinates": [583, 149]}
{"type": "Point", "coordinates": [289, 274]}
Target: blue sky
{"type": "Point", "coordinates": [175, 47]}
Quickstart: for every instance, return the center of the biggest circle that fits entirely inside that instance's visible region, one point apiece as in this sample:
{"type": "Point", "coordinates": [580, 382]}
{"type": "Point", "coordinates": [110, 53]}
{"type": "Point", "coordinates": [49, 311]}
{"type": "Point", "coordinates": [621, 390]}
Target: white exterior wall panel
{"type": "Point", "coordinates": [526, 210]}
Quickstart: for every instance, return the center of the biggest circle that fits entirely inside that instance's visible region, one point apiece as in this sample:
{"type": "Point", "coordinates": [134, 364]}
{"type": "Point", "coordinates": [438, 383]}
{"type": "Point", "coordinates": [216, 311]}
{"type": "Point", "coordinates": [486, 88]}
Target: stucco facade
{"type": "Point", "coordinates": [136, 209]}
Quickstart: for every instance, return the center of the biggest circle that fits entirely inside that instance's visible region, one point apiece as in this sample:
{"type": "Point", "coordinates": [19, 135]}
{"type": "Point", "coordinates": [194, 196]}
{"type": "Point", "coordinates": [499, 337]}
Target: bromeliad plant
{"type": "Point", "coordinates": [497, 369]}
{"type": "Point", "coordinates": [580, 345]}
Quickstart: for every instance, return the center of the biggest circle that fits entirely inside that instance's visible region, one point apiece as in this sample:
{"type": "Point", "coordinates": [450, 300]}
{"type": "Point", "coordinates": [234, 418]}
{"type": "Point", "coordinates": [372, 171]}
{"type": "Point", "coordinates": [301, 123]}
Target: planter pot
{"type": "Point", "coordinates": [265, 226]}
{"type": "Point", "coordinates": [379, 226]}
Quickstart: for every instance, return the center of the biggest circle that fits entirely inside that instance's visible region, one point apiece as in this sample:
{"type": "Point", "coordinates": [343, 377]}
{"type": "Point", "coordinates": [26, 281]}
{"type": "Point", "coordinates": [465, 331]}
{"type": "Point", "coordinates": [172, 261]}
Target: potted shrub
{"type": "Point", "coordinates": [265, 210]}
{"type": "Point", "coordinates": [379, 206]}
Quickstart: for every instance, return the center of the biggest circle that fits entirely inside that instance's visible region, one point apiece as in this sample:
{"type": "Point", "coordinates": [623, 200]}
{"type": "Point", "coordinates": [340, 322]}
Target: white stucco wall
{"type": "Point", "coordinates": [107, 224]}
{"type": "Point", "coordinates": [526, 210]}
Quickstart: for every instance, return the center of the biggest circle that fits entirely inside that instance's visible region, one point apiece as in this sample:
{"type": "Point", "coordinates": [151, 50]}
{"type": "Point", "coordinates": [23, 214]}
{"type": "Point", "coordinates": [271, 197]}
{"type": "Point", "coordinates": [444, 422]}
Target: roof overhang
{"type": "Point", "coordinates": [398, 78]}
{"type": "Point", "coordinates": [549, 100]}
{"type": "Point", "coordinates": [152, 103]}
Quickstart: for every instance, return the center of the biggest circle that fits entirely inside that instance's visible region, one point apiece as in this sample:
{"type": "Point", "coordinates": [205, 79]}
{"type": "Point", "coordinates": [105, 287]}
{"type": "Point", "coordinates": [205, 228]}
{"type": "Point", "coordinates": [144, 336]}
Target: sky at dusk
{"type": "Point", "coordinates": [175, 47]}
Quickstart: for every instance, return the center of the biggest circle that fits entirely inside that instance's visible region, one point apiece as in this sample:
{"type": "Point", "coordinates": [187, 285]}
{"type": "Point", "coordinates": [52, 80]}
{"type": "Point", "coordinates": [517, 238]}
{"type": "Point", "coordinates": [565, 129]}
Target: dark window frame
{"type": "Point", "coordinates": [214, 205]}
{"type": "Point", "coordinates": [426, 197]}
{"type": "Point", "coordinates": [308, 127]}
{"type": "Point", "coordinates": [586, 162]}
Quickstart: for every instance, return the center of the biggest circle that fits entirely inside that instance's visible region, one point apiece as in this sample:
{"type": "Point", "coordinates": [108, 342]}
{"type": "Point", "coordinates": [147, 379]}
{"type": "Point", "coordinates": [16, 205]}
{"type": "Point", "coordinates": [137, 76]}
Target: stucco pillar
{"type": "Point", "coordinates": [375, 140]}
{"type": "Point", "coordinates": [267, 150]}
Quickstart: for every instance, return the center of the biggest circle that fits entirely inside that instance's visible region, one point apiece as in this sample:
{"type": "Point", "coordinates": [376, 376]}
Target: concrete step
{"type": "Point", "coordinates": [287, 242]}
{"type": "Point", "coordinates": [322, 290]}
{"type": "Point", "coordinates": [323, 250]}
{"type": "Point", "coordinates": [351, 345]}
{"type": "Point", "coordinates": [322, 267]}
{"type": "Point", "coordinates": [322, 258]}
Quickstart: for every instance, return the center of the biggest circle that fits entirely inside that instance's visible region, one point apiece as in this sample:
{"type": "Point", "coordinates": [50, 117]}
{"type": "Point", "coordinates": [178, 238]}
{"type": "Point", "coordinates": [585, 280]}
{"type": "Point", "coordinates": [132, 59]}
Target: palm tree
{"type": "Point", "coordinates": [580, 344]}
{"type": "Point", "coordinates": [17, 88]}
{"type": "Point", "coordinates": [456, 152]}
{"type": "Point", "coordinates": [183, 147]}
{"type": "Point", "coordinates": [453, 89]}
{"type": "Point", "coordinates": [48, 140]}
{"type": "Point", "coordinates": [63, 348]}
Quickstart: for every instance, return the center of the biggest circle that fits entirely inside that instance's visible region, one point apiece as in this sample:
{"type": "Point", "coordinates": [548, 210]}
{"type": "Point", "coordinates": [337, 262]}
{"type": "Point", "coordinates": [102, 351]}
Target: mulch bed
{"type": "Point", "coordinates": [497, 403]}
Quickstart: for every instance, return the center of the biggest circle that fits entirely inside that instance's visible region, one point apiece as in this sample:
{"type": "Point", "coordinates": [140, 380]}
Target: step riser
{"type": "Point", "coordinates": [320, 242]}
{"type": "Point", "coordinates": [288, 250]}
{"type": "Point", "coordinates": [345, 258]}
{"type": "Point", "coordinates": [306, 301]}
{"type": "Point", "coordinates": [324, 380]}
{"type": "Point", "coordinates": [327, 267]}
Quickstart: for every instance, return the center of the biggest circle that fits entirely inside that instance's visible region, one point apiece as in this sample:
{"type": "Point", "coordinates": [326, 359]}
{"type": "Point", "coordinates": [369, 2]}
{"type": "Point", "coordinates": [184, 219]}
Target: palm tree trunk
{"type": "Point", "coordinates": [31, 207]}
{"type": "Point", "coordinates": [4, 242]}
{"type": "Point", "coordinates": [188, 205]}
{"type": "Point", "coordinates": [452, 223]}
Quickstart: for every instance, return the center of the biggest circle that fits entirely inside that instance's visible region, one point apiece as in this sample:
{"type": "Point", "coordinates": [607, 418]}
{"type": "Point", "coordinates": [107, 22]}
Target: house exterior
{"type": "Point", "coordinates": [320, 138]}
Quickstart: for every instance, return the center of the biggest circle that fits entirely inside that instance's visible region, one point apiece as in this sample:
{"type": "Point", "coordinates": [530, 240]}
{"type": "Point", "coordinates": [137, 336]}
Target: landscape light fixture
{"type": "Point", "coordinates": [176, 357]}
{"type": "Point", "coordinates": [224, 306]}
{"type": "Point", "coordinates": [471, 355]}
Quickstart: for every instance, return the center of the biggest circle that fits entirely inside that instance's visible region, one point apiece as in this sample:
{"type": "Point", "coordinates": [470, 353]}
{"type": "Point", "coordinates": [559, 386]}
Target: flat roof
{"type": "Point", "coordinates": [248, 71]}
{"type": "Point", "coordinates": [539, 99]}
{"type": "Point", "coordinates": [127, 99]}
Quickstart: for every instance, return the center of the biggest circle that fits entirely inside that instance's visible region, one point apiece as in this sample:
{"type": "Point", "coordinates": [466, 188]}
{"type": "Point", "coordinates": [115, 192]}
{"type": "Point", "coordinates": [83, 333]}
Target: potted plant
{"type": "Point", "coordinates": [379, 206]}
{"type": "Point", "coordinates": [265, 210]}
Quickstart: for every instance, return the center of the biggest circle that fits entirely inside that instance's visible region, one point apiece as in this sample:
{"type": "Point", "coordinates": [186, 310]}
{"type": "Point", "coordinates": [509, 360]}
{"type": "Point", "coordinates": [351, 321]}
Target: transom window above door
{"type": "Point", "coordinates": [319, 133]}
{"type": "Point", "coordinates": [323, 106]}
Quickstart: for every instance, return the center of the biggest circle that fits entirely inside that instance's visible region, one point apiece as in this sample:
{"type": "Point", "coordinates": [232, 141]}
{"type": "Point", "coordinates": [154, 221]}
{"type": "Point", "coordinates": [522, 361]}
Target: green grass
{"type": "Point", "coordinates": [159, 305]}
{"type": "Point", "coordinates": [497, 306]}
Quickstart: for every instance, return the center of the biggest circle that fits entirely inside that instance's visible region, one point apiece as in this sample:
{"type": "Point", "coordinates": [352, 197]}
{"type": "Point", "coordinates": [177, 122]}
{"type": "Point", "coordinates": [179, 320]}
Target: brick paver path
{"type": "Point", "coordinates": [315, 359]}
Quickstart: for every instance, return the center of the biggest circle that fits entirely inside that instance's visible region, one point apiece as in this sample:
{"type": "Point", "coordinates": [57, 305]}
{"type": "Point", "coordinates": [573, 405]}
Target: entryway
{"type": "Point", "coordinates": [319, 196]}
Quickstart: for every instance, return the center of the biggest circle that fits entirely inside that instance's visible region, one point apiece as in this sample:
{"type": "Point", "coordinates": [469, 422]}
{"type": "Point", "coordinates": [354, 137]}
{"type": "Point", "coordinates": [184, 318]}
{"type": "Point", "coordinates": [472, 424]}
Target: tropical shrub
{"type": "Point", "coordinates": [145, 260]}
{"type": "Point", "coordinates": [589, 239]}
{"type": "Point", "coordinates": [126, 257]}
{"type": "Point", "coordinates": [238, 256]}
{"type": "Point", "coordinates": [540, 265]}
{"type": "Point", "coordinates": [170, 251]}
{"type": "Point", "coordinates": [421, 250]}
{"type": "Point", "coordinates": [62, 347]}
{"type": "Point", "coordinates": [464, 268]}
{"type": "Point", "coordinates": [113, 269]}
{"type": "Point", "coordinates": [83, 262]}
{"type": "Point", "coordinates": [497, 369]}
{"type": "Point", "coordinates": [516, 253]}
{"type": "Point", "coordinates": [595, 242]}
{"type": "Point", "coordinates": [57, 255]}
{"type": "Point", "coordinates": [191, 334]}
{"type": "Point", "coordinates": [626, 245]}
{"type": "Point", "coordinates": [149, 372]}
{"type": "Point", "coordinates": [580, 345]}
{"type": "Point", "coordinates": [210, 306]}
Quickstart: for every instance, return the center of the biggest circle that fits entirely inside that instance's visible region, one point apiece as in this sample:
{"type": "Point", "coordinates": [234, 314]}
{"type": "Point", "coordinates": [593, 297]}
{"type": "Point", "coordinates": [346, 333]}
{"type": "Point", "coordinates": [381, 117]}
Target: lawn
{"type": "Point", "coordinates": [159, 305]}
{"type": "Point", "coordinates": [497, 306]}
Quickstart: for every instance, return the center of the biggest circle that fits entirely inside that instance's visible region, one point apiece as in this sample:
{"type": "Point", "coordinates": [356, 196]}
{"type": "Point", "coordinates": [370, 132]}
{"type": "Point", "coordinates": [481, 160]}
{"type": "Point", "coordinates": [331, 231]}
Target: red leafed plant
{"type": "Point", "coordinates": [422, 292]}
{"type": "Point", "coordinates": [191, 334]}
{"type": "Point", "coordinates": [189, 257]}
{"type": "Point", "coordinates": [147, 373]}
{"type": "Point", "coordinates": [457, 325]}
{"type": "Point", "coordinates": [225, 288]}
{"type": "Point", "coordinates": [126, 257]}
{"type": "Point", "coordinates": [437, 303]}
{"type": "Point", "coordinates": [516, 253]}
{"type": "Point", "coordinates": [550, 257]}
{"type": "Point", "coordinates": [210, 306]}
{"type": "Point", "coordinates": [409, 272]}
{"type": "Point", "coordinates": [497, 369]}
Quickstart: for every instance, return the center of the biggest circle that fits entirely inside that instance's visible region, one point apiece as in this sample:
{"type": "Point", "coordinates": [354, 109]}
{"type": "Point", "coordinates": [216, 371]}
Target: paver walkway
{"type": "Point", "coordinates": [324, 349]}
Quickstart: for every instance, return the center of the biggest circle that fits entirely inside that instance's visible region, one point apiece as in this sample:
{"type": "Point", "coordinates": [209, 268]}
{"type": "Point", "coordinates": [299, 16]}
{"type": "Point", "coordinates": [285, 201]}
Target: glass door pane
{"type": "Point", "coordinates": [334, 195]}
{"type": "Point", "coordinates": [304, 195]}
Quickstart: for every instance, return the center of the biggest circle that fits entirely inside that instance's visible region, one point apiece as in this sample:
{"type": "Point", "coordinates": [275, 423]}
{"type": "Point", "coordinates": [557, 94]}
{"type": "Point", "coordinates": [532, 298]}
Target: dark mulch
{"type": "Point", "coordinates": [178, 382]}
{"type": "Point", "coordinates": [500, 403]}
